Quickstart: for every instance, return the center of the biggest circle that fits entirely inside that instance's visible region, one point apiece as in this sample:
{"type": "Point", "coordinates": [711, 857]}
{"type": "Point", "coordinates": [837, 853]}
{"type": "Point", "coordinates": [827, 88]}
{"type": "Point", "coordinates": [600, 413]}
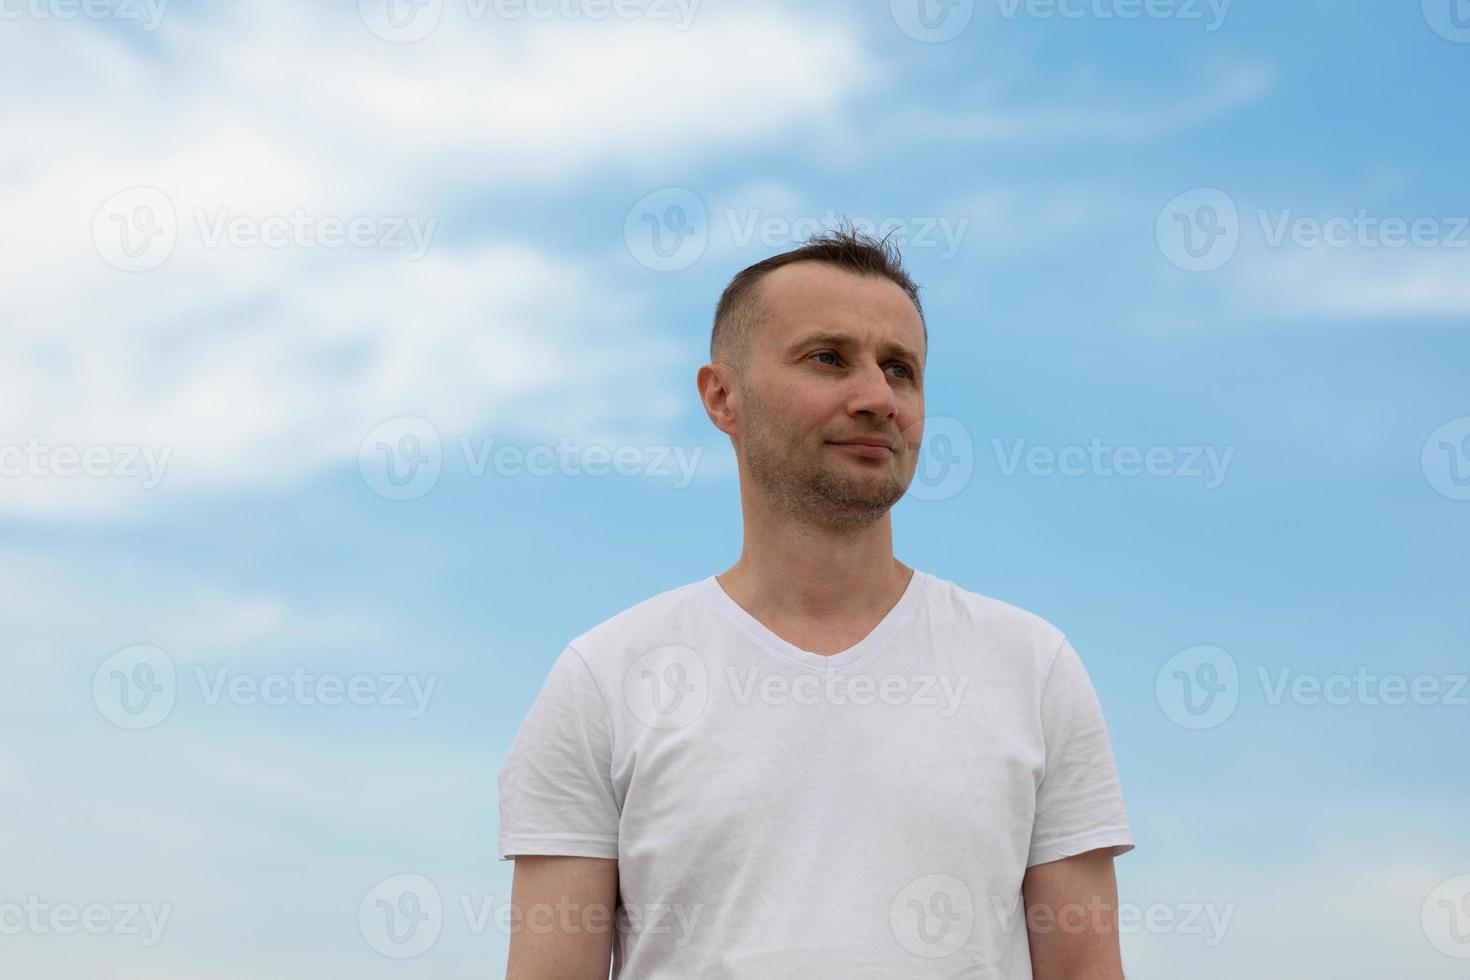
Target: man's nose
{"type": "Point", "coordinates": [872, 393]}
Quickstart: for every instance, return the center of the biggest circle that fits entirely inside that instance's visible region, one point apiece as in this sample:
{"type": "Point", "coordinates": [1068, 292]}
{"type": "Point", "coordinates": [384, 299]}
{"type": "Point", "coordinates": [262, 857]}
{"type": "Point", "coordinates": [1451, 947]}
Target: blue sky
{"type": "Point", "coordinates": [173, 186]}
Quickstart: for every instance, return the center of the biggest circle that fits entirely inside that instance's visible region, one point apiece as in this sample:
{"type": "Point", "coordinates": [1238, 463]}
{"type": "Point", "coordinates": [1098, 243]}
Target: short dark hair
{"type": "Point", "coordinates": [846, 248]}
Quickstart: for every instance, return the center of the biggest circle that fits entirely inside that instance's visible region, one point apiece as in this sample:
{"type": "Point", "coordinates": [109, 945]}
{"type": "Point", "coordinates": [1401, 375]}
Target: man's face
{"type": "Point", "coordinates": [837, 358]}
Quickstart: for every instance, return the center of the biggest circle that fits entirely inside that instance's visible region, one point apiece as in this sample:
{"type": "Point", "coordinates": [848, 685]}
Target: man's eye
{"type": "Point", "coordinates": [905, 369]}
{"type": "Point", "coordinates": [824, 353]}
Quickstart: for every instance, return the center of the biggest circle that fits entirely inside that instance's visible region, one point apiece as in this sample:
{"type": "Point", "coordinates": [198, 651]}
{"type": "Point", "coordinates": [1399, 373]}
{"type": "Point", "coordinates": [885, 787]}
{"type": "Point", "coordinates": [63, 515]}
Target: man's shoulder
{"type": "Point", "coordinates": [992, 617]}
{"type": "Point", "coordinates": [661, 619]}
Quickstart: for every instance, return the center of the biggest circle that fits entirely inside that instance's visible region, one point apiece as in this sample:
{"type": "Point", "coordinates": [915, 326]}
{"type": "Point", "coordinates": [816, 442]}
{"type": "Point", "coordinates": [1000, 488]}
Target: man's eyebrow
{"type": "Point", "coordinates": [838, 339]}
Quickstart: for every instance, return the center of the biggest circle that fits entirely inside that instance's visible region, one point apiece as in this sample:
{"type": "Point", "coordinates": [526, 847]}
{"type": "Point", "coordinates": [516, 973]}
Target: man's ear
{"type": "Point", "coordinates": [719, 395]}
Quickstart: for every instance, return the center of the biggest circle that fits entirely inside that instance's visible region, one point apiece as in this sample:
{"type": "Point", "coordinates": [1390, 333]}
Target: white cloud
{"type": "Point", "coordinates": [1268, 288]}
{"type": "Point", "coordinates": [256, 366]}
{"type": "Point", "coordinates": [1359, 283]}
{"type": "Point", "coordinates": [1032, 108]}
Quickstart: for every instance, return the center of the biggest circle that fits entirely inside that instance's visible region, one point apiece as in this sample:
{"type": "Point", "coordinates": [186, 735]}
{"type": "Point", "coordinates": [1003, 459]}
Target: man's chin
{"type": "Point", "coordinates": [877, 490]}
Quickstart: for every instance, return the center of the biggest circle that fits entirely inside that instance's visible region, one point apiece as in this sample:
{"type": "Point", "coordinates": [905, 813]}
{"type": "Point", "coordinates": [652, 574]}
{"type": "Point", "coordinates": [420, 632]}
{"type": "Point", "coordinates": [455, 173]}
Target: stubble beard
{"type": "Point", "coordinates": [806, 486]}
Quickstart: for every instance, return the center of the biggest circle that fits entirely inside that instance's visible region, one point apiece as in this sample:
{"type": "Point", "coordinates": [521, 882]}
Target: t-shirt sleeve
{"type": "Point", "coordinates": [1079, 801]}
{"type": "Point", "coordinates": [556, 789]}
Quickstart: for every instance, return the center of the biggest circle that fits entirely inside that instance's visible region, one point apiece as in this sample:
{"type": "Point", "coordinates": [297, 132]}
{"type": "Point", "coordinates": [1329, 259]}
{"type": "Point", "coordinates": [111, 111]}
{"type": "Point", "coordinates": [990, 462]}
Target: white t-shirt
{"type": "Point", "coordinates": [779, 813]}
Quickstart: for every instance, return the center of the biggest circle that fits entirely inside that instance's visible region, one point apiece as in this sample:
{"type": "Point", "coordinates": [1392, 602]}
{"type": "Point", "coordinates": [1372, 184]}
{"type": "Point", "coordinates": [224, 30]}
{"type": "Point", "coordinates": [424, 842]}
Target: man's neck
{"type": "Point", "coordinates": [821, 599]}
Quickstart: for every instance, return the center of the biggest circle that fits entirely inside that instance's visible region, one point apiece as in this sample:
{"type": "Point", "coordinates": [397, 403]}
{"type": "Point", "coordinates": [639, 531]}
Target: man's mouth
{"type": "Point", "coordinates": [875, 448]}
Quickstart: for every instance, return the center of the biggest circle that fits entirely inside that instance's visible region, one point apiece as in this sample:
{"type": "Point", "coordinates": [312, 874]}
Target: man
{"type": "Point", "coordinates": [820, 762]}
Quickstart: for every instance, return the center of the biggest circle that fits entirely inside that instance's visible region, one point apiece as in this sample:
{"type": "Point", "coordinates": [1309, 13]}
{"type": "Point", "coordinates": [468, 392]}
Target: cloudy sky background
{"type": "Point", "coordinates": [1094, 205]}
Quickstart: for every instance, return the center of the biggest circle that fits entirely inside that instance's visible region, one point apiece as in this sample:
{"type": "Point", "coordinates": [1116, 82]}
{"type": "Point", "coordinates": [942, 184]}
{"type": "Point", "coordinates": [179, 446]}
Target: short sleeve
{"type": "Point", "coordinates": [1079, 801]}
{"type": "Point", "coordinates": [556, 790]}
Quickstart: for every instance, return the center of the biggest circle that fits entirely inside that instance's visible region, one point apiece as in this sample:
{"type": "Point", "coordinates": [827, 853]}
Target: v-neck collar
{"type": "Point", "coordinates": [854, 654]}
